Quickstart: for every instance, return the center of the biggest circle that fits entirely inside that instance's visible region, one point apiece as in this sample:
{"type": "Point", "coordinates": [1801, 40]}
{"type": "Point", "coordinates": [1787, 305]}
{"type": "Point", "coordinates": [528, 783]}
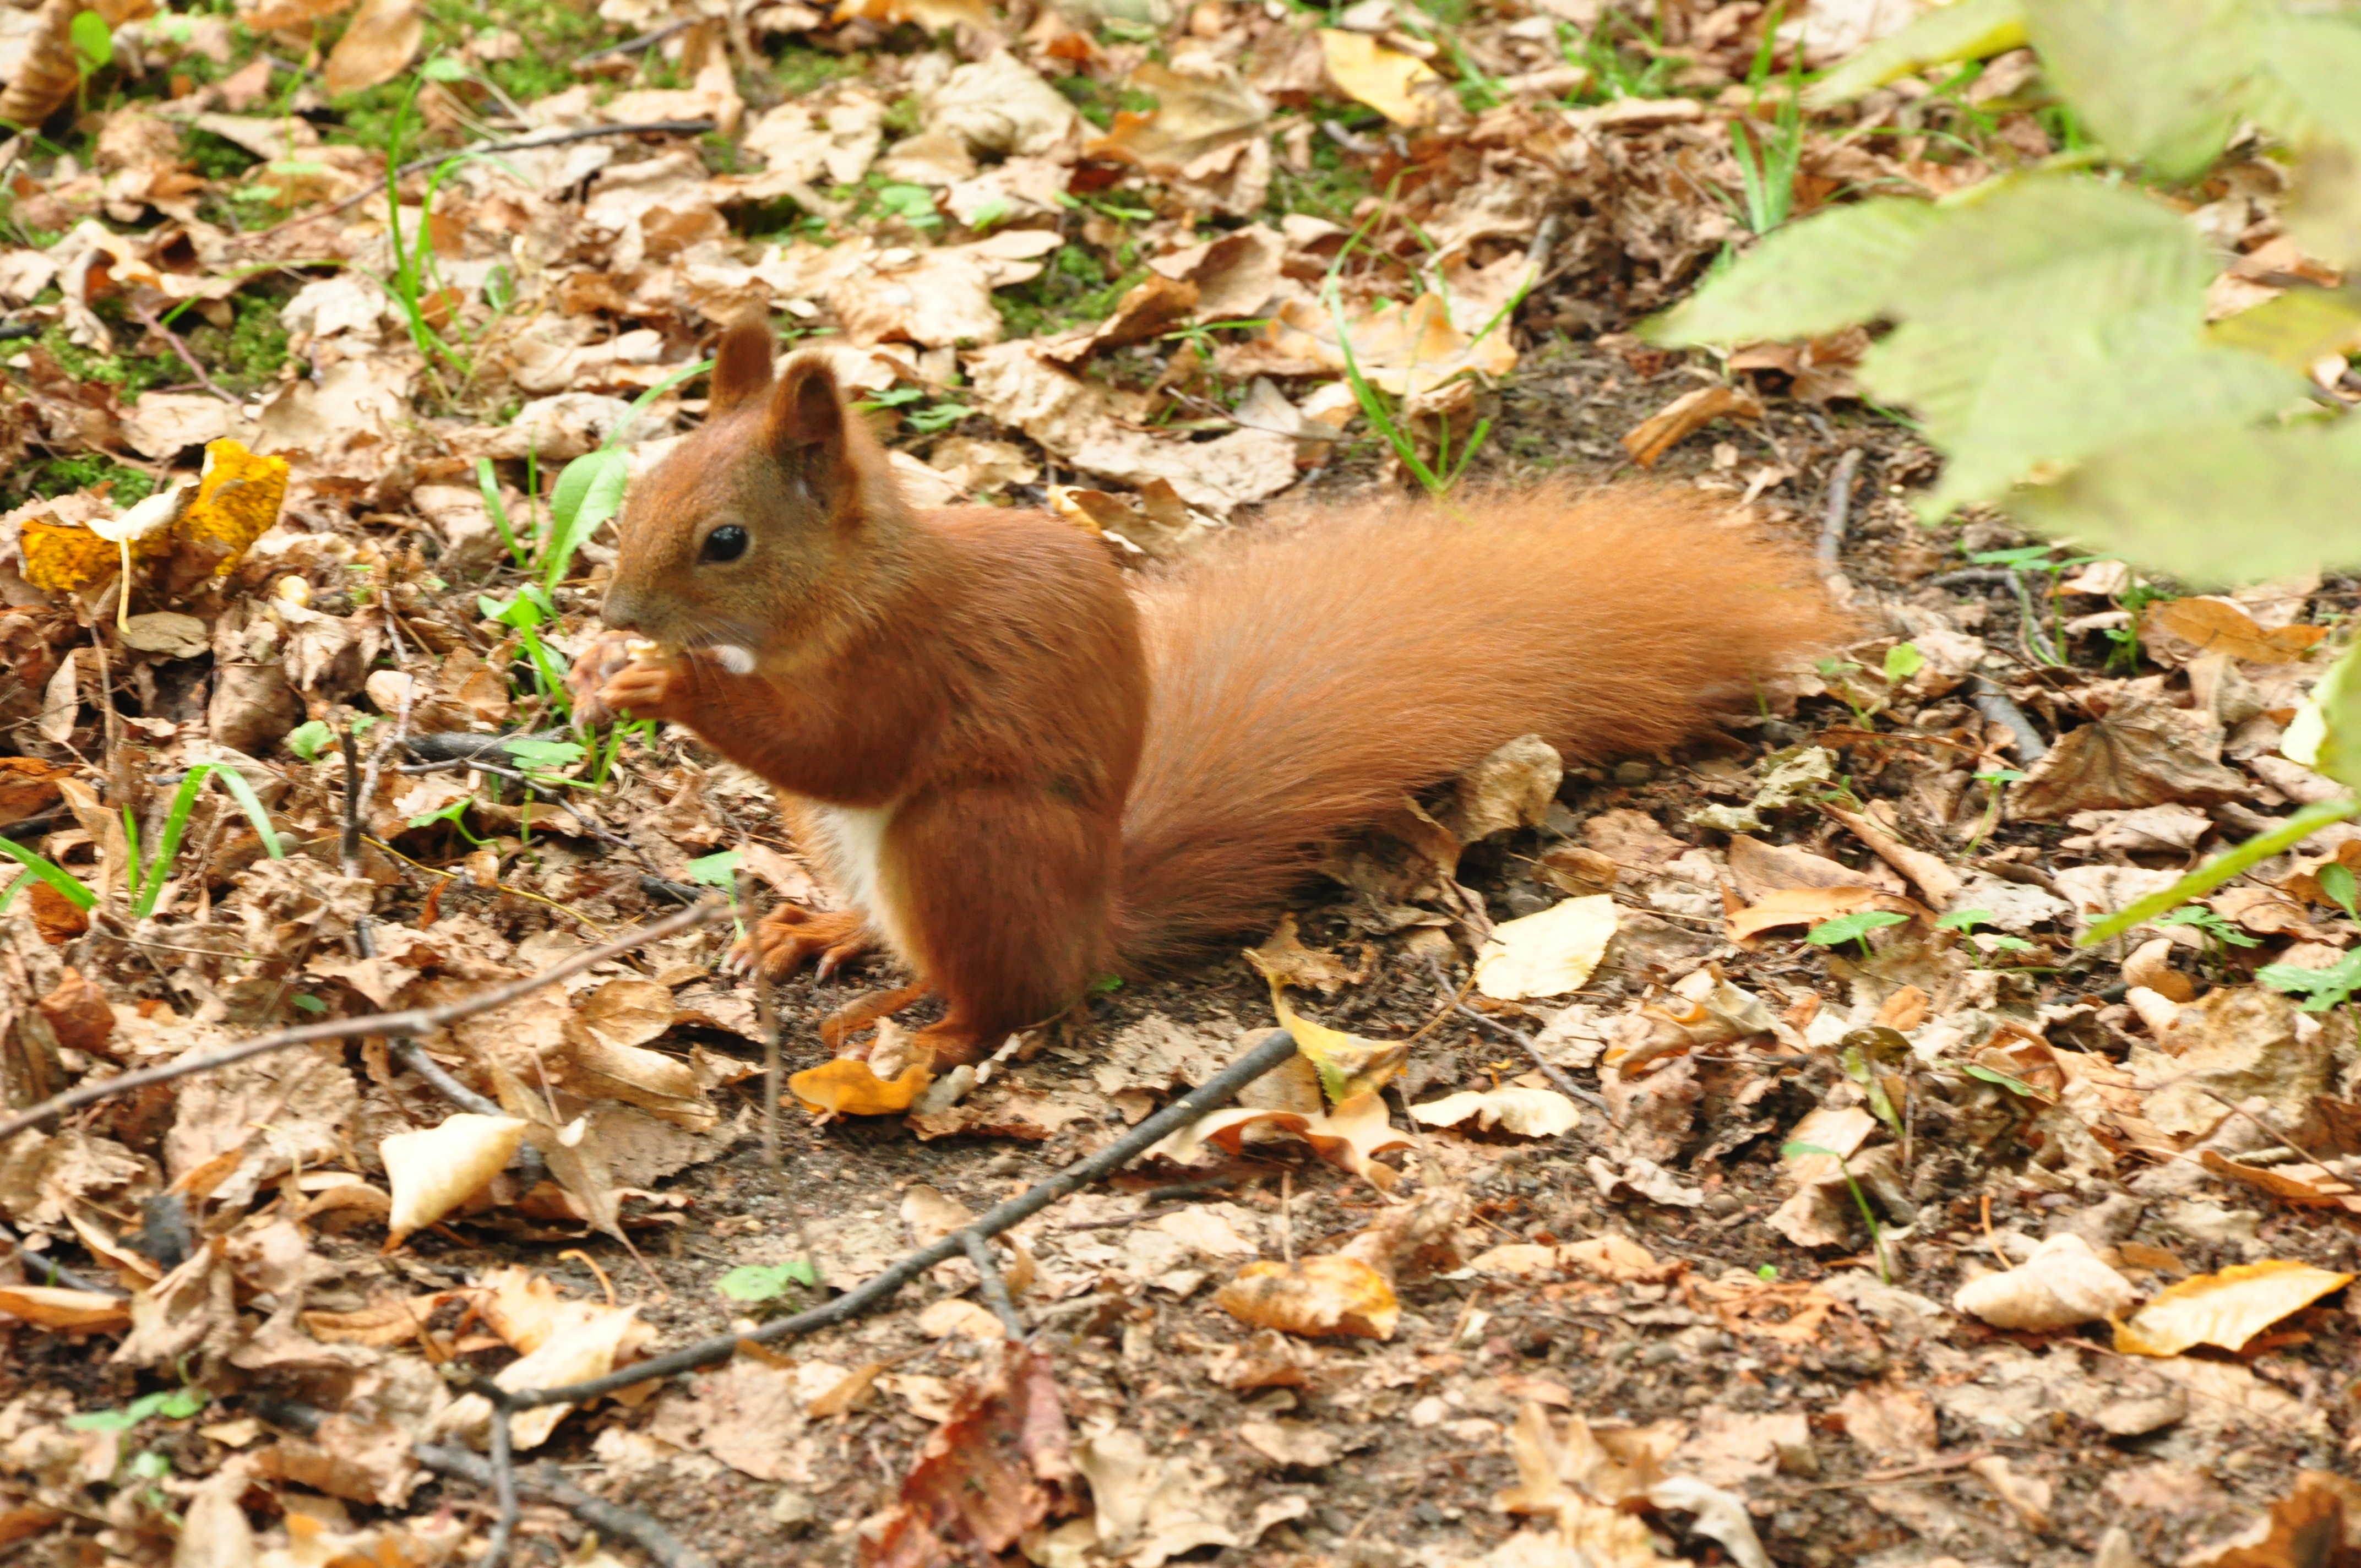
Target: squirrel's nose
{"type": "Point", "coordinates": [621, 609]}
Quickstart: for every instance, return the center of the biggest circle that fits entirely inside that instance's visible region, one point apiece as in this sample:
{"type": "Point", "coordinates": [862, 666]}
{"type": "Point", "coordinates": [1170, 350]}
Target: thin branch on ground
{"type": "Point", "coordinates": [1996, 707]}
{"type": "Point", "coordinates": [409, 1021]}
{"type": "Point", "coordinates": [40, 1270]}
{"type": "Point", "coordinates": [1839, 512]}
{"type": "Point", "coordinates": [148, 318]}
{"type": "Point", "coordinates": [1550, 1069]}
{"type": "Point", "coordinates": [996, 1288]}
{"type": "Point", "coordinates": [1216, 1091]}
{"type": "Point", "coordinates": [503, 1463]}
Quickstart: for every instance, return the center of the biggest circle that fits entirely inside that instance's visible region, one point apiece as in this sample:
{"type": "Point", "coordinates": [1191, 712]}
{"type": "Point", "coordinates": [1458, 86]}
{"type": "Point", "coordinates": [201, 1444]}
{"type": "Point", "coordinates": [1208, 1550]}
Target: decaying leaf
{"type": "Point", "coordinates": [2227, 1309]}
{"type": "Point", "coordinates": [1400, 86]}
{"type": "Point", "coordinates": [1547, 954]}
{"type": "Point", "coordinates": [1351, 1136]}
{"type": "Point", "coordinates": [381, 38]}
{"type": "Point", "coordinates": [2062, 1284]}
{"type": "Point", "coordinates": [1313, 1295]}
{"type": "Point", "coordinates": [997, 1466]}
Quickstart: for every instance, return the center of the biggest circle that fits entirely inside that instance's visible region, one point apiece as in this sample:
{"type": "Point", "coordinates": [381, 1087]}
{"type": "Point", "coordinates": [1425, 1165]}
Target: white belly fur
{"type": "Point", "coordinates": [853, 848]}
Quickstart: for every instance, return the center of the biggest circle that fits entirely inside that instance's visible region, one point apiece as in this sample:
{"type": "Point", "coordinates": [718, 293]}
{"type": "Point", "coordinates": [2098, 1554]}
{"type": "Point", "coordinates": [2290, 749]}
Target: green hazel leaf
{"type": "Point", "coordinates": [546, 753]}
{"type": "Point", "coordinates": [2158, 82]}
{"type": "Point", "coordinates": [1849, 927]}
{"type": "Point", "coordinates": [1813, 276]}
{"type": "Point", "coordinates": [716, 870]}
{"type": "Point", "coordinates": [2336, 881]}
{"type": "Point", "coordinates": [2303, 85]}
{"type": "Point", "coordinates": [93, 39]}
{"type": "Point", "coordinates": [2296, 328]}
{"type": "Point", "coordinates": [1971, 29]}
{"type": "Point", "coordinates": [307, 739]}
{"type": "Point", "coordinates": [588, 493]}
{"type": "Point", "coordinates": [2214, 504]}
{"type": "Point", "coordinates": [1904, 661]}
{"type": "Point", "coordinates": [2327, 735]}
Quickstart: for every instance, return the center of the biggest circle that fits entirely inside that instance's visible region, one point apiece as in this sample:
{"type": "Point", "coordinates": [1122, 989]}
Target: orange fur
{"type": "Point", "coordinates": [1022, 771]}
{"type": "Point", "coordinates": [1307, 676]}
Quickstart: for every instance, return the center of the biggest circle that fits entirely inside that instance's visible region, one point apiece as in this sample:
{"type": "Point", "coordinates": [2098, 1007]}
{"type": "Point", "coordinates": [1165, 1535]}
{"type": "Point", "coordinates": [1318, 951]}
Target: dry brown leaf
{"type": "Point", "coordinates": [1410, 351]}
{"type": "Point", "coordinates": [998, 1465]}
{"type": "Point", "coordinates": [1401, 87]}
{"type": "Point", "coordinates": [1313, 1295]}
{"type": "Point", "coordinates": [2306, 1186]}
{"type": "Point", "coordinates": [2145, 751]}
{"type": "Point", "coordinates": [434, 1171]}
{"type": "Point", "coordinates": [1528, 1113]}
{"type": "Point", "coordinates": [77, 1311]}
{"type": "Point", "coordinates": [1547, 954]}
{"type": "Point", "coordinates": [1691, 411]}
{"type": "Point", "coordinates": [2316, 1525]}
{"type": "Point", "coordinates": [1352, 1135]}
{"type": "Point", "coordinates": [1283, 959]}
{"type": "Point", "coordinates": [1809, 906]}
{"type": "Point", "coordinates": [2221, 626]}
{"type": "Point", "coordinates": [378, 43]}
{"type": "Point", "coordinates": [846, 1087]}
{"type": "Point", "coordinates": [2062, 1284]}
{"type": "Point", "coordinates": [2227, 1309]}
{"type": "Point", "coordinates": [28, 787]}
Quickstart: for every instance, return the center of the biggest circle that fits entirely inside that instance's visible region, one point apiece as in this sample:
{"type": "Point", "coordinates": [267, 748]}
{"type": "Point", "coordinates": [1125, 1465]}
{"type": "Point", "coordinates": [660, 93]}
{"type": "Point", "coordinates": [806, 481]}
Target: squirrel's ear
{"type": "Point", "coordinates": [741, 366]}
{"type": "Point", "coordinates": [806, 407]}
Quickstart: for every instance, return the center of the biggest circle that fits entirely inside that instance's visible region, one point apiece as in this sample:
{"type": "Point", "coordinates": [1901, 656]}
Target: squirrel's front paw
{"type": "Point", "coordinates": [621, 676]}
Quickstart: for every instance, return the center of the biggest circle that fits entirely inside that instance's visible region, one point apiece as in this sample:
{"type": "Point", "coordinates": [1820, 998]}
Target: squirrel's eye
{"type": "Point", "coordinates": [725, 543]}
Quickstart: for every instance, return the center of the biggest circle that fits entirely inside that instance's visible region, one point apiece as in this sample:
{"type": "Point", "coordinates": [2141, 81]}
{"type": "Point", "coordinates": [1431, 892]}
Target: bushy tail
{"type": "Point", "coordinates": [1308, 675]}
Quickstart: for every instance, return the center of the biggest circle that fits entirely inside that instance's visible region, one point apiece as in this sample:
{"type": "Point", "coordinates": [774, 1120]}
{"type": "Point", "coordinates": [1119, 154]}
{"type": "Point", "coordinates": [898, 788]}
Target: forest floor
{"type": "Point", "coordinates": [1841, 1058]}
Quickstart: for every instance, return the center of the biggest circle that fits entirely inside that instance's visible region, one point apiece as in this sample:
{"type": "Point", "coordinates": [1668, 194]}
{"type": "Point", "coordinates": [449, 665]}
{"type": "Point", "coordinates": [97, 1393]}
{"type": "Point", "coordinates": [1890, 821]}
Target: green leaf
{"type": "Point", "coordinates": [2324, 987]}
{"type": "Point", "coordinates": [62, 882]}
{"type": "Point", "coordinates": [101, 1420]}
{"type": "Point", "coordinates": [2338, 884]}
{"type": "Point", "coordinates": [2303, 85]}
{"type": "Point", "coordinates": [2326, 734]}
{"type": "Point", "coordinates": [755, 1282]}
{"type": "Point", "coordinates": [1964, 919]}
{"type": "Point", "coordinates": [1850, 927]}
{"type": "Point", "coordinates": [588, 492]}
{"type": "Point", "coordinates": [716, 870]}
{"type": "Point", "coordinates": [251, 804]}
{"type": "Point", "coordinates": [1971, 29]}
{"type": "Point", "coordinates": [2214, 504]}
{"type": "Point", "coordinates": [545, 755]}
{"type": "Point", "coordinates": [1813, 276]}
{"type": "Point", "coordinates": [2158, 81]}
{"type": "Point", "coordinates": [92, 40]}
{"type": "Point", "coordinates": [442, 67]}
{"type": "Point", "coordinates": [1904, 661]}
{"type": "Point", "coordinates": [2296, 328]}
{"type": "Point", "coordinates": [181, 1403]}
{"type": "Point", "coordinates": [2013, 1085]}
{"type": "Point", "coordinates": [307, 739]}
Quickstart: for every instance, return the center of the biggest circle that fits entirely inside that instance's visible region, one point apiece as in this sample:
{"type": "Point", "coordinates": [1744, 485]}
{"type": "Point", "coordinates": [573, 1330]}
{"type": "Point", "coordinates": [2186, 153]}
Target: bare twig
{"type": "Point", "coordinates": [42, 1271]}
{"type": "Point", "coordinates": [634, 46]}
{"type": "Point", "coordinates": [766, 1016]}
{"type": "Point", "coordinates": [504, 1493]}
{"type": "Point", "coordinates": [1996, 707]}
{"type": "Point", "coordinates": [996, 1288]}
{"type": "Point", "coordinates": [409, 1021]}
{"type": "Point", "coordinates": [1550, 1069]}
{"type": "Point", "coordinates": [1215, 1091]}
{"type": "Point", "coordinates": [148, 318]}
{"type": "Point", "coordinates": [1833, 527]}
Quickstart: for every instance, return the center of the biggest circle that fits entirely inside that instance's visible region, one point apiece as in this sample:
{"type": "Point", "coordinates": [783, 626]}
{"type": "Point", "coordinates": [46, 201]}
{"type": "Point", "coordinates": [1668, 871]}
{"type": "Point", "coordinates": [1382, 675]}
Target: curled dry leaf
{"type": "Point", "coordinates": [78, 1311]}
{"type": "Point", "coordinates": [2062, 1284]}
{"type": "Point", "coordinates": [1350, 1068]}
{"type": "Point", "coordinates": [1350, 1136]}
{"type": "Point", "coordinates": [1528, 1113]}
{"type": "Point", "coordinates": [846, 1087]}
{"type": "Point", "coordinates": [1312, 1296]}
{"type": "Point", "coordinates": [434, 1171]}
{"type": "Point", "coordinates": [1689, 412]}
{"type": "Point", "coordinates": [1547, 954]}
{"type": "Point", "coordinates": [2227, 1309]}
{"type": "Point", "coordinates": [51, 67]}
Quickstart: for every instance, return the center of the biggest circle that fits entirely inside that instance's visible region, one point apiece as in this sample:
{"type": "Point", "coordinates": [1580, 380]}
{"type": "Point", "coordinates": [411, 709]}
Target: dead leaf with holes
{"type": "Point", "coordinates": [2144, 751]}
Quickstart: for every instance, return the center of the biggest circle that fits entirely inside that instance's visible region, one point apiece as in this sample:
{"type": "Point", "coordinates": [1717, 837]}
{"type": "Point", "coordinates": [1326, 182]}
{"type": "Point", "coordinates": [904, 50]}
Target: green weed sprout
{"type": "Point", "coordinates": [1861, 1200]}
{"type": "Point", "coordinates": [1853, 928]}
{"type": "Point", "coordinates": [148, 883]}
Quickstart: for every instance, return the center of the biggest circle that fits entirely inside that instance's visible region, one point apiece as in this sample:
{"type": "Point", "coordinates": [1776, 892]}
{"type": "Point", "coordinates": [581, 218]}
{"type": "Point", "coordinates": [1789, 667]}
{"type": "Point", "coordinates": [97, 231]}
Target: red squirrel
{"type": "Point", "coordinates": [1023, 770]}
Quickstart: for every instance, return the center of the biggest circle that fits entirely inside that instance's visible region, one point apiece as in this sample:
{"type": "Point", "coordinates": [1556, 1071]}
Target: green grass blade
{"type": "Point", "coordinates": [243, 793]}
{"type": "Point", "coordinates": [2222, 867]}
{"type": "Point", "coordinates": [487, 482]}
{"type": "Point", "coordinates": [167, 848]}
{"type": "Point", "coordinates": [67, 885]}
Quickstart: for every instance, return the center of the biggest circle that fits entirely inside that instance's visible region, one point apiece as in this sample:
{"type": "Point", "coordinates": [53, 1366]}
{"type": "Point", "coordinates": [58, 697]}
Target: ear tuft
{"type": "Point", "coordinates": [806, 410]}
{"type": "Point", "coordinates": [741, 366]}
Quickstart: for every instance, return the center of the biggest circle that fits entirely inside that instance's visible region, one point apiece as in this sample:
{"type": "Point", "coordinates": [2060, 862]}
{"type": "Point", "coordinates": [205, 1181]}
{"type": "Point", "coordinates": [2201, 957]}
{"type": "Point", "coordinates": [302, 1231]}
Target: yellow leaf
{"type": "Point", "coordinates": [846, 1087]}
{"type": "Point", "coordinates": [2226, 1309]}
{"type": "Point", "coordinates": [238, 500]}
{"type": "Point", "coordinates": [1349, 1066]}
{"type": "Point", "coordinates": [435, 1169]}
{"type": "Point", "coordinates": [1547, 954]}
{"type": "Point", "coordinates": [1313, 1295]}
{"type": "Point", "coordinates": [1398, 86]}
{"type": "Point", "coordinates": [62, 556]}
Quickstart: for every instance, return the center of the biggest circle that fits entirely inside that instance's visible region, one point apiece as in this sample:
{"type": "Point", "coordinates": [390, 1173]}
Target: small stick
{"type": "Point", "coordinates": [149, 320]}
{"type": "Point", "coordinates": [34, 1263]}
{"type": "Point", "coordinates": [1832, 529]}
{"type": "Point", "coordinates": [1217, 1090]}
{"type": "Point", "coordinates": [996, 1288]}
{"type": "Point", "coordinates": [1996, 707]}
{"type": "Point", "coordinates": [766, 1017]}
{"type": "Point", "coordinates": [1550, 1069]}
{"type": "Point", "coordinates": [504, 1491]}
{"type": "Point", "coordinates": [410, 1021]}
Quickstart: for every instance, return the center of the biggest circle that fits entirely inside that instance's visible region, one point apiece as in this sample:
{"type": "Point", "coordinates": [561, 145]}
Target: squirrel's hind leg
{"type": "Point", "coordinates": [790, 935]}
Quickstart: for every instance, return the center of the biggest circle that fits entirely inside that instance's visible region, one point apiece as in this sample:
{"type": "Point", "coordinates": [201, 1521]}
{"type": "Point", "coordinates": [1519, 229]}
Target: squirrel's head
{"type": "Point", "coordinates": [749, 536]}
